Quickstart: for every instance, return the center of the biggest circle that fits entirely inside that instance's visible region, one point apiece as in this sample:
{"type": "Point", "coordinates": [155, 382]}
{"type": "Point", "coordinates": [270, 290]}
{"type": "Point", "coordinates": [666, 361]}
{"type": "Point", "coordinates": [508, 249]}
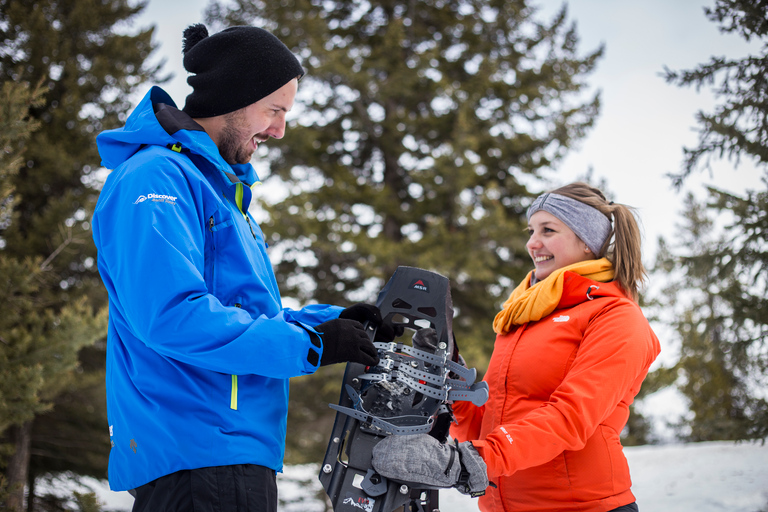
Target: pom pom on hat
{"type": "Point", "coordinates": [193, 35]}
{"type": "Point", "coordinates": [234, 68]}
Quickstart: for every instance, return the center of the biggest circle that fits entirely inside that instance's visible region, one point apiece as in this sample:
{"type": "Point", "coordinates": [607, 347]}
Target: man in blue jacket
{"type": "Point", "coordinates": [199, 348]}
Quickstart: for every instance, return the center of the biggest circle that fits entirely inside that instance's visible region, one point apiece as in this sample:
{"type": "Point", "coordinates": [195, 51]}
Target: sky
{"type": "Point", "coordinates": [644, 122]}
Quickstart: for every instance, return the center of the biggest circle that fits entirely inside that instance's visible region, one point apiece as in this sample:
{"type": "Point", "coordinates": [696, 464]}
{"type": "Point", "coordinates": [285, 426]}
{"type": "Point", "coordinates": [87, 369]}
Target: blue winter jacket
{"type": "Point", "coordinates": [199, 348]}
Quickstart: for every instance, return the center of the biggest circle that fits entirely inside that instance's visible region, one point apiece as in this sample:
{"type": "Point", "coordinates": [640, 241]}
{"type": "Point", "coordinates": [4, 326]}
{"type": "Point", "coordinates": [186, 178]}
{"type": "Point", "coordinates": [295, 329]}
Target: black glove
{"type": "Point", "coordinates": [345, 340]}
{"type": "Point", "coordinates": [423, 460]}
{"type": "Point", "coordinates": [386, 331]}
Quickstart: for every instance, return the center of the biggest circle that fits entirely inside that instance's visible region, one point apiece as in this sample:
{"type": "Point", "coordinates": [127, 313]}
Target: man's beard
{"type": "Point", "coordinates": [232, 145]}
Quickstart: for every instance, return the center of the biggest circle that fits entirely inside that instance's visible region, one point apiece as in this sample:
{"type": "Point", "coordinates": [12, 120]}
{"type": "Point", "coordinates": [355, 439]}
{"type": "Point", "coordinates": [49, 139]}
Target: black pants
{"type": "Point", "coordinates": [239, 488]}
{"type": "Point", "coordinates": [632, 507]}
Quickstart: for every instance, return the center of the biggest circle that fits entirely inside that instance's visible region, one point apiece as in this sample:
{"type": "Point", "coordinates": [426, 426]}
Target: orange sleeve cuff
{"type": "Point", "coordinates": [493, 460]}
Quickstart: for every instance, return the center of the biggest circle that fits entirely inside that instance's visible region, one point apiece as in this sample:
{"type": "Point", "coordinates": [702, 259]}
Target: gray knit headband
{"type": "Point", "coordinates": [591, 226]}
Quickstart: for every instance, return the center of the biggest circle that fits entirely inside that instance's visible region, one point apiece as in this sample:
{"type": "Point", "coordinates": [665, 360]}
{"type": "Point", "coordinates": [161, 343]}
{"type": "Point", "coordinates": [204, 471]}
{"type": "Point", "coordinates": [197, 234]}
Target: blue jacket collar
{"type": "Point", "coordinates": [157, 121]}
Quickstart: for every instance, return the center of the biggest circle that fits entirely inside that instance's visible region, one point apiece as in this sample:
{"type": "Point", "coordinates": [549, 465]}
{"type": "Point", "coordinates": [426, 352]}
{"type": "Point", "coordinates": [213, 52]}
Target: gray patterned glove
{"type": "Point", "coordinates": [422, 460]}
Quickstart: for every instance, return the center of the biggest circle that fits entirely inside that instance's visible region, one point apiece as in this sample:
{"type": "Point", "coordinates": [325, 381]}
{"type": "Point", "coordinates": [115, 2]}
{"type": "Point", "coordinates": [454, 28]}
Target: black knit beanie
{"type": "Point", "coordinates": [234, 68]}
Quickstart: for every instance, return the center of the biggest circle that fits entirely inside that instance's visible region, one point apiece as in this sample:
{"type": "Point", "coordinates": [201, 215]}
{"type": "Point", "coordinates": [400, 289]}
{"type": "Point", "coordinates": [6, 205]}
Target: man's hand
{"type": "Point", "coordinates": [422, 459]}
{"type": "Point", "coordinates": [346, 340]}
{"type": "Point", "coordinates": [386, 331]}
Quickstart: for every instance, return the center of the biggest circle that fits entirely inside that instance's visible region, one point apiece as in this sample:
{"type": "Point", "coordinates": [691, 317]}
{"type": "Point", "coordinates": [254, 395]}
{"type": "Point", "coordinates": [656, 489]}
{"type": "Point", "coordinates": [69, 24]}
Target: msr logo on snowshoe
{"type": "Point", "coordinates": [359, 502]}
{"type": "Point", "coordinates": [420, 284]}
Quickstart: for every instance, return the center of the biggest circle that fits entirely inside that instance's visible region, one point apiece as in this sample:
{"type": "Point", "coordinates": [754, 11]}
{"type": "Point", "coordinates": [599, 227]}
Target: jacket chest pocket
{"type": "Point", "coordinates": [235, 258]}
{"type": "Point", "coordinates": [218, 230]}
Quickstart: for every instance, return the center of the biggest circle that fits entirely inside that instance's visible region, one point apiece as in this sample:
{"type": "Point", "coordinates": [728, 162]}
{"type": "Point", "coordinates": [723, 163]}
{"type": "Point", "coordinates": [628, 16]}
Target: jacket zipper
{"type": "Point", "coordinates": [233, 392]}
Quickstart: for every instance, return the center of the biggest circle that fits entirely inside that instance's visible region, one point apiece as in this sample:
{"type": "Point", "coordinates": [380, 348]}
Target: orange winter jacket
{"type": "Point", "coordinates": [560, 391]}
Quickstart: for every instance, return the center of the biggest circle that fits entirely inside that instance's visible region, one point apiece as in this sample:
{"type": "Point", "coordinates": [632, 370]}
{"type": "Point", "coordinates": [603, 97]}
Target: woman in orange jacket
{"type": "Point", "coordinates": [571, 352]}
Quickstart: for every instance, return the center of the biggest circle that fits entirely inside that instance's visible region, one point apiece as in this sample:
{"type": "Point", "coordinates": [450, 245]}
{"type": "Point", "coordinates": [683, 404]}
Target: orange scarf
{"type": "Point", "coordinates": [530, 303]}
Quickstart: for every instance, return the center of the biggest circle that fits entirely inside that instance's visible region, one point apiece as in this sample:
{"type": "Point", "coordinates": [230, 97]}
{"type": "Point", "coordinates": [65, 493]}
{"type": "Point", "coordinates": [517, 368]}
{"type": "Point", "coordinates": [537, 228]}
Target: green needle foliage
{"type": "Point", "coordinates": [737, 128]}
{"type": "Point", "coordinates": [53, 320]}
{"type": "Point", "coordinates": [718, 267]}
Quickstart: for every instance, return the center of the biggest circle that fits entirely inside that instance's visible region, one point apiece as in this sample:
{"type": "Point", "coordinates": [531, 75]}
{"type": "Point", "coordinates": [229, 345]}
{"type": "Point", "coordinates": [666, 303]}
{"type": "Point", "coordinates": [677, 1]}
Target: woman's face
{"type": "Point", "coordinates": [552, 245]}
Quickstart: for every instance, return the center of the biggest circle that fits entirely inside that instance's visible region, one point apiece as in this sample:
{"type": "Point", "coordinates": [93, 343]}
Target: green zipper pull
{"type": "Point", "coordinates": [239, 202]}
{"type": "Point", "coordinates": [233, 394]}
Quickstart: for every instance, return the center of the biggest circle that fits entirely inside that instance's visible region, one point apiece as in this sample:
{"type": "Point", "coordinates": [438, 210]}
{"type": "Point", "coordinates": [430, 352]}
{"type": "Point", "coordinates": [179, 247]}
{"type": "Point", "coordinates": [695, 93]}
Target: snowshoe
{"type": "Point", "coordinates": [408, 392]}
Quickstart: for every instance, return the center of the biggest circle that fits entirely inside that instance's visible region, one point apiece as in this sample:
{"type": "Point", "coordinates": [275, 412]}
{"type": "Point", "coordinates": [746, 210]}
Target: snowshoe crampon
{"type": "Point", "coordinates": [408, 392]}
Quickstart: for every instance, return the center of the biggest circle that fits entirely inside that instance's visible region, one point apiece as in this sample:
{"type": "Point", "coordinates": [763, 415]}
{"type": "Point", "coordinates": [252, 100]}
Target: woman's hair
{"type": "Point", "coordinates": [622, 248]}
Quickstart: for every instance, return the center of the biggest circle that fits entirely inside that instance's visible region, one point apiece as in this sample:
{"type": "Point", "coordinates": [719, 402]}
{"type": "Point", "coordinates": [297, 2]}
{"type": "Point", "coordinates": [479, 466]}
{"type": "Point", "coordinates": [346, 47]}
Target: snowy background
{"type": "Point", "coordinates": [702, 477]}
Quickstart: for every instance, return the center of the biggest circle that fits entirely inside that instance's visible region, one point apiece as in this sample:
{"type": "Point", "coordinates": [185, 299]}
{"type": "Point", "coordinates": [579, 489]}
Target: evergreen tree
{"type": "Point", "coordinates": [88, 65]}
{"type": "Point", "coordinates": [18, 384]}
{"type": "Point", "coordinates": [738, 127]}
{"type": "Point", "coordinates": [719, 301]}
{"type": "Point", "coordinates": [420, 128]}
{"type": "Point", "coordinates": [30, 360]}
{"type": "Point", "coordinates": [719, 269]}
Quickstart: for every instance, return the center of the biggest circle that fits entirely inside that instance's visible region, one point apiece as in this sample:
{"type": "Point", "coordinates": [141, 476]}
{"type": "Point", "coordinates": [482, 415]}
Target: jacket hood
{"type": "Point", "coordinates": [157, 121]}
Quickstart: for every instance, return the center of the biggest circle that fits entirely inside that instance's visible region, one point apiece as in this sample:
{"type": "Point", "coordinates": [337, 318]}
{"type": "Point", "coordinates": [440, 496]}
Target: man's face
{"type": "Point", "coordinates": [243, 130]}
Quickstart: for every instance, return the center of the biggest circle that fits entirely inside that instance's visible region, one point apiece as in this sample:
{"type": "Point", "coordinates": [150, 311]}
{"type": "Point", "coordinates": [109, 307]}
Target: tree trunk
{"type": "Point", "coordinates": [31, 492]}
{"type": "Point", "coordinates": [18, 465]}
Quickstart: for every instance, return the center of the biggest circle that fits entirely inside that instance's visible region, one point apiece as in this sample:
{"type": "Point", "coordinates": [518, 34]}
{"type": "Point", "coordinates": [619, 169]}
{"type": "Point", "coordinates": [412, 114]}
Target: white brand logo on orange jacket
{"type": "Point", "coordinates": [509, 437]}
{"type": "Point", "coordinates": [561, 318]}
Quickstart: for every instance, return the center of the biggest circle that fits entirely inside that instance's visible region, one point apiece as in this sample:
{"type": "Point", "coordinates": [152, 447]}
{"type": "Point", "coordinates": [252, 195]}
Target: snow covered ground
{"type": "Point", "coordinates": [702, 477]}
